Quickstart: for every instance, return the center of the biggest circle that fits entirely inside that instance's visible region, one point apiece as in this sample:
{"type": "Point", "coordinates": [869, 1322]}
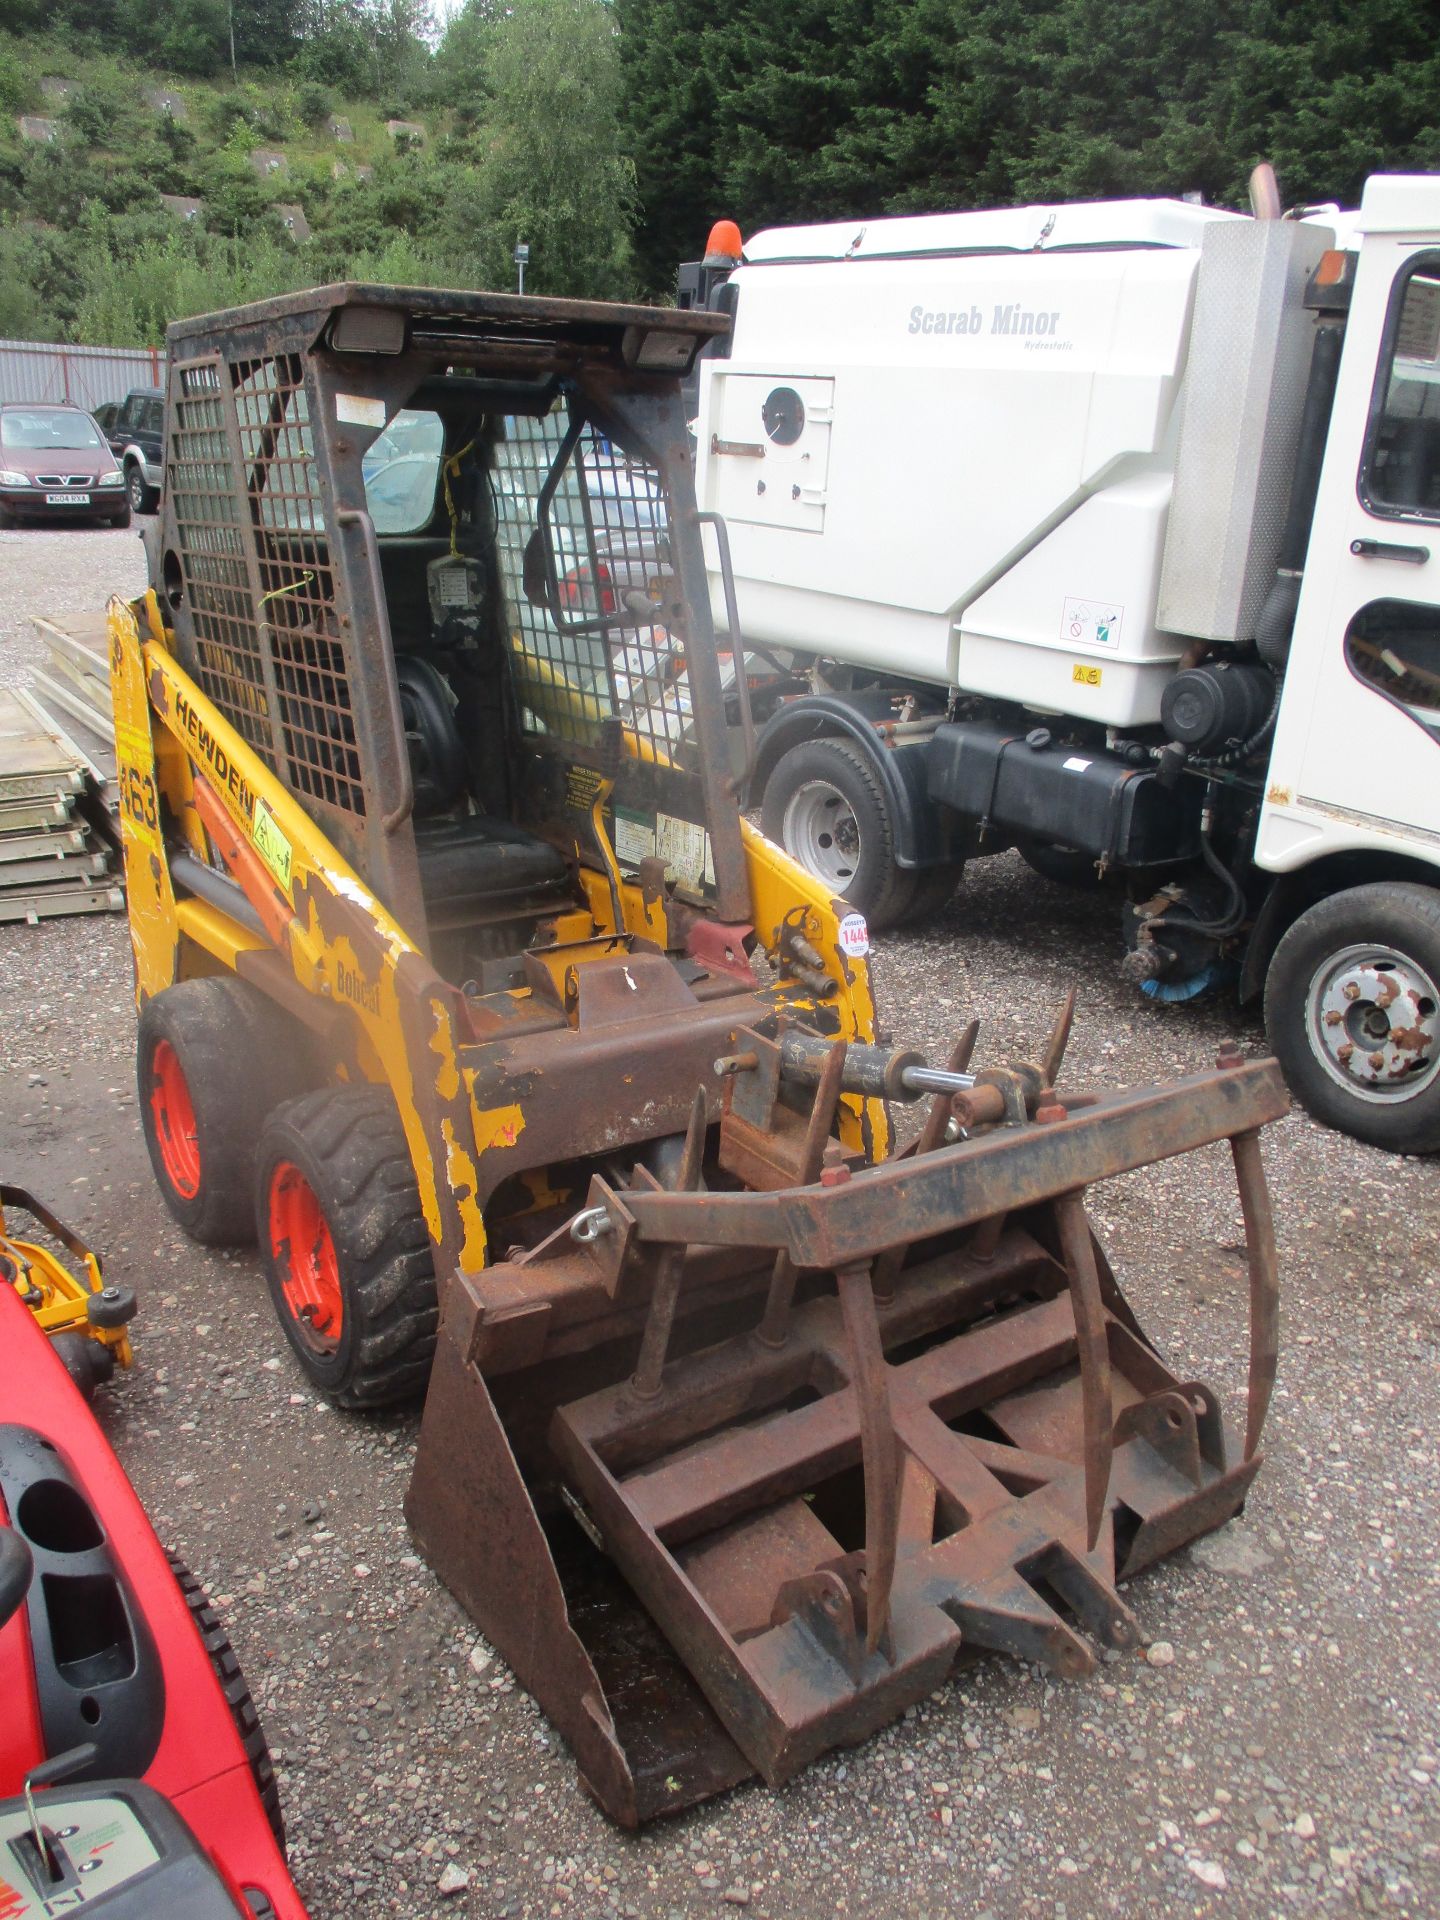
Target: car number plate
{"type": "Point", "coordinates": [67, 499]}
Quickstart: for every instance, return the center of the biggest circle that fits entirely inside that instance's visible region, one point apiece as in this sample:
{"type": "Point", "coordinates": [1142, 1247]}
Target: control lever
{"type": "Point", "coordinates": [46, 1868]}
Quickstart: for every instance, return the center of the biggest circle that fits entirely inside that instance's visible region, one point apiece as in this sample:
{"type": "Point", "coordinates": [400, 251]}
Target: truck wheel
{"type": "Point", "coordinates": [824, 805]}
{"type": "Point", "coordinates": [213, 1056]}
{"type": "Point", "coordinates": [236, 1690]}
{"type": "Point", "coordinates": [346, 1248]}
{"type": "Point", "coordinates": [1063, 866]}
{"type": "Point", "coordinates": [1352, 1007]}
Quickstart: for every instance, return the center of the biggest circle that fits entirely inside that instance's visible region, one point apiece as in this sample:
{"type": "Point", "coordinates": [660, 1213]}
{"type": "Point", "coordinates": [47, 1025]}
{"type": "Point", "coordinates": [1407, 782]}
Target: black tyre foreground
{"type": "Point", "coordinates": [1385, 936]}
{"type": "Point", "coordinates": [237, 1056]}
{"type": "Point", "coordinates": [347, 1147]}
{"type": "Point", "coordinates": [236, 1689]}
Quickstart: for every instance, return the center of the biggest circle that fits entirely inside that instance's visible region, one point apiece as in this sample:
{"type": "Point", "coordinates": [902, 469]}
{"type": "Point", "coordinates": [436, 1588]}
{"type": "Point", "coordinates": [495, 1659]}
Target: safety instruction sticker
{"type": "Point", "coordinates": [634, 837]}
{"type": "Point", "coordinates": [685, 849]}
{"type": "Point", "coordinates": [271, 845]}
{"type": "Point", "coordinates": [1085, 676]}
{"type": "Point", "coordinates": [854, 936]}
{"type": "Point", "coordinates": [1091, 623]}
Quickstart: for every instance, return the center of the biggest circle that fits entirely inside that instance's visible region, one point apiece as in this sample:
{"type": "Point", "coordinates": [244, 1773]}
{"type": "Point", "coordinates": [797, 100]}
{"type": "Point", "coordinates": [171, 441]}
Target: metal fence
{"type": "Point", "coordinates": [77, 376]}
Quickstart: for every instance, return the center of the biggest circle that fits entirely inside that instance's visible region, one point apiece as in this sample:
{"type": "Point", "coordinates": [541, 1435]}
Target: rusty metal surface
{"type": "Point", "coordinates": [957, 1186]}
{"type": "Point", "coordinates": [820, 1489]}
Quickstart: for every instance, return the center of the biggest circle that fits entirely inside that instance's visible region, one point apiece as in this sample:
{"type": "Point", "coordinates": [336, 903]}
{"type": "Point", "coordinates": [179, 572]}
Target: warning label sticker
{"type": "Point", "coordinates": [271, 845]}
{"type": "Point", "coordinates": [685, 849]}
{"type": "Point", "coordinates": [634, 837]}
{"type": "Point", "coordinates": [1091, 623]}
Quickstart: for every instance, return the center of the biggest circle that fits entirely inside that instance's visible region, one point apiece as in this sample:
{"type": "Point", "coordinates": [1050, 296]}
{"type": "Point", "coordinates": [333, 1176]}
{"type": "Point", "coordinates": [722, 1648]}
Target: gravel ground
{"type": "Point", "coordinates": [1276, 1753]}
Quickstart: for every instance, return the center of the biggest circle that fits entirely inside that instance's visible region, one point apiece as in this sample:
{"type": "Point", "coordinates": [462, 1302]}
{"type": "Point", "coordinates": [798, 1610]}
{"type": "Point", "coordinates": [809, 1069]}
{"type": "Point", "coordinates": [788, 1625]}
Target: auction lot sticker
{"type": "Point", "coordinates": [854, 936]}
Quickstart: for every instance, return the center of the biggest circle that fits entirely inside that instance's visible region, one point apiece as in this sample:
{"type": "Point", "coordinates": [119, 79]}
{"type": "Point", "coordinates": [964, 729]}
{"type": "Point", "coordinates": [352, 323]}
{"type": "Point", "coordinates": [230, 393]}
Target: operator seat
{"type": "Point", "coordinates": [471, 857]}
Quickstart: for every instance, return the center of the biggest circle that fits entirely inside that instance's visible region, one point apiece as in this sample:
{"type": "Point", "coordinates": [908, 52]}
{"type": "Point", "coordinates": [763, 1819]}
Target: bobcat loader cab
{"type": "Point", "coordinates": [551, 1090]}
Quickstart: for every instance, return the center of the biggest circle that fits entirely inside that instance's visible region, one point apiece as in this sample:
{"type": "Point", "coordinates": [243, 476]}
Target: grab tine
{"type": "Point", "coordinates": [1264, 1282]}
{"type": "Point", "coordinates": [655, 1341]}
{"type": "Point", "coordinates": [1078, 1252]}
{"type": "Point", "coordinates": [879, 1448]}
{"type": "Point", "coordinates": [932, 1135]}
{"type": "Point", "coordinates": [1053, 1057]}
{"type": "Point", "coordinates": [775, 1321]}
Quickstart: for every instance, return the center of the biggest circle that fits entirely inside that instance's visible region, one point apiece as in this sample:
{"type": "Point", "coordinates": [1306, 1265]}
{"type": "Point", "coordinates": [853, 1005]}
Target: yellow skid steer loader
{"type": "Point", "coordinates": [552, 1090]}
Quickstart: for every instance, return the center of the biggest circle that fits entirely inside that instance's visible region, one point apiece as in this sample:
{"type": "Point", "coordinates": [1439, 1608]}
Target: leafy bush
{"type": "Point", "coordinates": [15, 84]}
{"type": "Point", "coordinates": [313, 103]}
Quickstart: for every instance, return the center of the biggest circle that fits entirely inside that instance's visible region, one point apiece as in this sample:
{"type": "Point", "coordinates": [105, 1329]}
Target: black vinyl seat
{"type": "Point", "coordinates": [479, 858]}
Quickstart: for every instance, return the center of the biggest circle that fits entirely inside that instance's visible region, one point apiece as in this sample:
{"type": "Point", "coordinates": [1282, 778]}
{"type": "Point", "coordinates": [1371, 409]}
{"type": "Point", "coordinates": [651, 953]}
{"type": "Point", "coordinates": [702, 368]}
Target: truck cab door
{"type": "Point", "coordinates": [1356, 763]}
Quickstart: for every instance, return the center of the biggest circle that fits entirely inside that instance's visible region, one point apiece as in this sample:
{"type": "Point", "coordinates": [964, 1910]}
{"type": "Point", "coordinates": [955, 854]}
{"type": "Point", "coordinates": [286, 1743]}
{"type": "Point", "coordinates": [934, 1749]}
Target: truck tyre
{"type": "Point", "coordinates": [346, 1248]}
{"type": "Point", "coordinates": [931, 889]}
{"type": "Point", "coordinates": [1352, 1007]}
{"type": "Point", "coordinates": [213, 1056]}
{"type": "Point", "coordinates": [236, 1689]}
{"type": "Point", "coordinates": [825, 806]}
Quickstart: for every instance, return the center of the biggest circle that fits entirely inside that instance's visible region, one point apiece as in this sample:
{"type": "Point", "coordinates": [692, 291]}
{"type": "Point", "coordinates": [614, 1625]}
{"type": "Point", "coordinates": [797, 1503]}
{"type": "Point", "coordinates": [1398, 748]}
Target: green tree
{"type": "Point", "coordinates": [554, 173]}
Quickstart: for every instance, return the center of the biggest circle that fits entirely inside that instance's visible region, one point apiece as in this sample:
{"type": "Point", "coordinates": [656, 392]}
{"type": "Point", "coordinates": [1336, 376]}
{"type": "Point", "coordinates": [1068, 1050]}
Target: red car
{"type": "Point", "coordinates": [55, 464]}
{"type": "Point", "coordinates": [111, 1657]}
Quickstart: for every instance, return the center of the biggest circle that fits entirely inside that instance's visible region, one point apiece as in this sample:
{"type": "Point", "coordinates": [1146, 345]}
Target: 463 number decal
{"type": "Point", "coordinates": [137, 797]}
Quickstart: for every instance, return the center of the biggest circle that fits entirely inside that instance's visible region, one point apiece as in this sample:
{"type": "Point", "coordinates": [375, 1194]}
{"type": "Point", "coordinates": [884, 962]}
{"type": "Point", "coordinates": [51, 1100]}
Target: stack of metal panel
{"type": "Point", "coordinates": [58, 847]}
{"type": "Point", "coordinates": [75, 682]}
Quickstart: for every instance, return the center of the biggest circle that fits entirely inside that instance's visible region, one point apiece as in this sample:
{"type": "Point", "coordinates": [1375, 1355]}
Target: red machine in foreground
{"type": "Point", "coordinates": [116, 1678]}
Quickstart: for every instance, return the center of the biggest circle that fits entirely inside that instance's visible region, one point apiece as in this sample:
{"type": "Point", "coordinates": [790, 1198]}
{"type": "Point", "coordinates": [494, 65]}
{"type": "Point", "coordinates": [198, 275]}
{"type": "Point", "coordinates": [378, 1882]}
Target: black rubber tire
{"type": "Point", "coordinates": [1398, 914]}
{"type": "Point", "coordinates": [240, 1056]}
{"type": "Point", "coordinates": [112, 1307]}
{"type": "Point", "coordinates": [143, 498]}
{"type": "Point", "coordinates": [1062, 866]}
{"type": "Point", "coordinates": [878, 888]}
{"type": "Point", "coordinates": [88, 1363]}
{"type": "Point", "coordinates": [7, 520]}
{"type": "Point", "coordinates": [122, 518]}
{"type": "Point", "coordinates": [931, 889]}
{"type": "Point", "coordinates": [351, 1150]}
{"type": "Point", "coordinates": [236, 1690]}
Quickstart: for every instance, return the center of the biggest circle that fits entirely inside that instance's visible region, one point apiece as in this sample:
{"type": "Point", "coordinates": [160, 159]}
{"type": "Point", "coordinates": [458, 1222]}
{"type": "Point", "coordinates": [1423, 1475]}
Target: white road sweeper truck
{"type": "Point", "coordinates": [1112, 532]}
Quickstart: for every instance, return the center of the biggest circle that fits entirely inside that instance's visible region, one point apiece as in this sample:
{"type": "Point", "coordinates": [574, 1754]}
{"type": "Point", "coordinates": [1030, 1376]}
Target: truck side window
{"type": "Point", "coordinates": [1394, 646]}
{"type": "Point", "coordinates": [1401, 474]}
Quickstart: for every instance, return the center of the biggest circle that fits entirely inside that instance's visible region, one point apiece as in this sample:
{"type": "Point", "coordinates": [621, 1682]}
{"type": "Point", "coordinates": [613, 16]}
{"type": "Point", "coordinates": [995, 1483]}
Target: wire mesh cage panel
{"type": "Point", "coordinates": [297, 586]}
{"type": "Point", "coordinates": [259, 582]}
{"type": "Point", "coordinates": [609, 656]}
{"type": "Point", "coordinates": [208, 510]}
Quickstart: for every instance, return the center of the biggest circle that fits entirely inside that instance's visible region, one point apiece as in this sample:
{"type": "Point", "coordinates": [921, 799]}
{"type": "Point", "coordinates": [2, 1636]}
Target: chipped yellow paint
{"type": "Point", "coordinates": [498, 1126]}
{"type": "Point", "coordinates": [464, 1184]}
{"type": "Point", "coordinates": [150, 898]}
{"type": "Point", "coordinates": [442, 1045]}
{"type": "Point", "coordinates": [779, 887]}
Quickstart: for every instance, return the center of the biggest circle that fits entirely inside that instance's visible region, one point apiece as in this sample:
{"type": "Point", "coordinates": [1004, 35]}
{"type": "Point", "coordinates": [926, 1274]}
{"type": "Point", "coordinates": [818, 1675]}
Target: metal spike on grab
{"type": "Point", "coordinates": [776, 1319]}
{"type": "Point", "coordinates": [1053, 1058]}
{"type": "Point", "coordinates": [1078, 1253]}
{"type": "Point", "coordinates": [655, 1342]}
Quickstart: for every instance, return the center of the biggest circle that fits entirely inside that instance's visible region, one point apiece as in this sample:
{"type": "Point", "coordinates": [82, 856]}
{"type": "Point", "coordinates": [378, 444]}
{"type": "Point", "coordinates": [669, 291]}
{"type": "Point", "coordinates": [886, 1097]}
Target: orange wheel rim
{"type": "Point", "coordinates": [305, 1259]}
{"type": "Point", "coordinates": [174, 1117]}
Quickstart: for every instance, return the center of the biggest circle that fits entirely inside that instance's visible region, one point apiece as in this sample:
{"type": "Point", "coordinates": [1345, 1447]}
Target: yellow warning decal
{"type": "Point", "coordinates": [271, 844]}
{"type": "Point", "coordinates": [1085, 676]}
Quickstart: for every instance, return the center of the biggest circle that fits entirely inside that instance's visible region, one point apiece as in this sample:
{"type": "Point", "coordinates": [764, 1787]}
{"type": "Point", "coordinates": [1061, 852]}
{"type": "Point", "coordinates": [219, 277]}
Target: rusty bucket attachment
{"type": "Point", "coordinates": [732, 1470]}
